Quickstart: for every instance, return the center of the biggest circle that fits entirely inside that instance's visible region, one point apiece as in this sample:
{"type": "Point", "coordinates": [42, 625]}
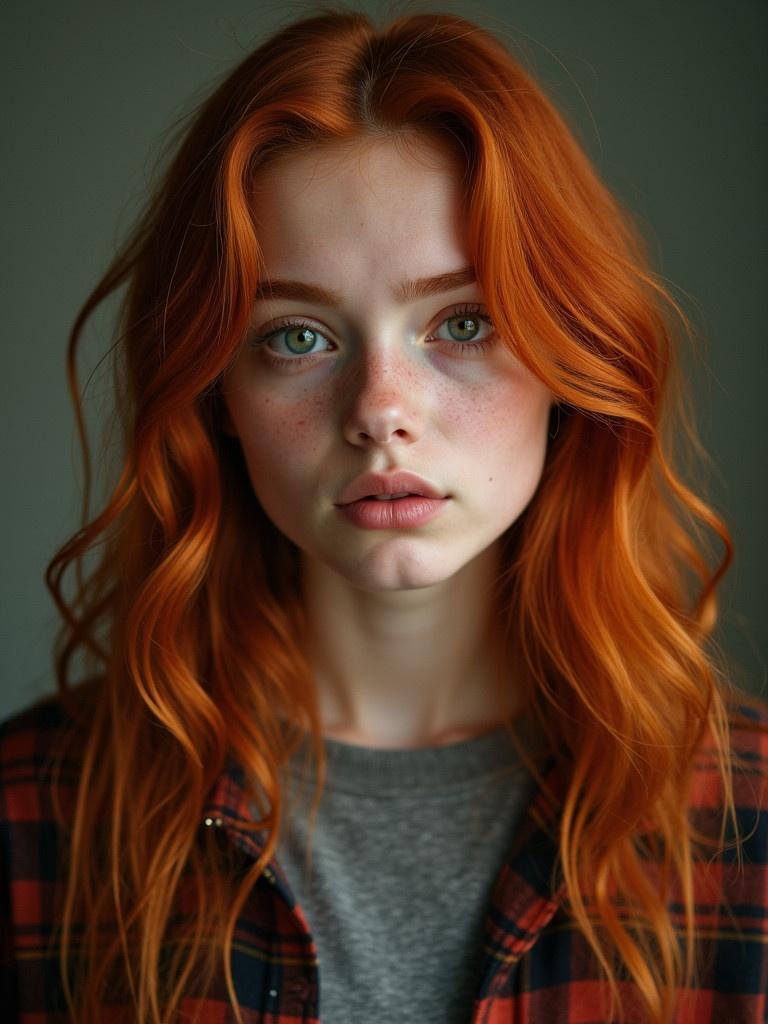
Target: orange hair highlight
{"type": "Point", "coordinates": [606, 601]}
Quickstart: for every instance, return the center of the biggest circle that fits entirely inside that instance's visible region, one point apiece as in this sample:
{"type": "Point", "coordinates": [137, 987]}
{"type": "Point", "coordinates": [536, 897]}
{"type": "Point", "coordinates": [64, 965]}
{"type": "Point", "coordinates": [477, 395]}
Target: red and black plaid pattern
{"type": "Point", "coordinates": [537, 967]}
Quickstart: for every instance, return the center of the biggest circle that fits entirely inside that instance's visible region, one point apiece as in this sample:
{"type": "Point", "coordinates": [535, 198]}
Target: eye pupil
{"type": "Point", "coordinates": [466, 329]}
{"type": "Point", "coordinates": [306, 339]}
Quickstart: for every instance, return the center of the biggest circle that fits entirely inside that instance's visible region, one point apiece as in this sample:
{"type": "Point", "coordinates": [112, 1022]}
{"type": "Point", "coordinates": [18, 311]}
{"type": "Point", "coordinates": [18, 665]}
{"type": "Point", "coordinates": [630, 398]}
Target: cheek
{"type": "Point", "coordinates": [278, 438]}
{"type": "Point", "coordinates": [504, 419]}
{"type": "Point", "coordinates": [506, 451]}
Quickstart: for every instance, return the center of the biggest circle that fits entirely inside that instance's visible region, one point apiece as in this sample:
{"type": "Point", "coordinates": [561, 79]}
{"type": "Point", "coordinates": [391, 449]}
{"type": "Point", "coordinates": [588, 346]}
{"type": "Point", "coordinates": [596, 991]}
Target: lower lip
{"type": "Point", "coordinates": [394, 514]}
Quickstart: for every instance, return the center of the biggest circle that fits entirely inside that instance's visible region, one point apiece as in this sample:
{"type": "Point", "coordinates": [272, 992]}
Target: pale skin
{"type": "Point", "coordinates": [399, 641]}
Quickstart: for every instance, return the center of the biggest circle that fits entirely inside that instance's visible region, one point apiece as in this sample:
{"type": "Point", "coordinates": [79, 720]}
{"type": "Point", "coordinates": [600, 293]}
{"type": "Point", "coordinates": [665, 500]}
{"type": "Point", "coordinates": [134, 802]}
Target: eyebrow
{"type": "Point", "coordinates": [406, 291]}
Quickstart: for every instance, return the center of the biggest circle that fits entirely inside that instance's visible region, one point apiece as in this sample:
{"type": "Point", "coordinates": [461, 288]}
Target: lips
{"type": "Point", "coordinates": [371, 485]}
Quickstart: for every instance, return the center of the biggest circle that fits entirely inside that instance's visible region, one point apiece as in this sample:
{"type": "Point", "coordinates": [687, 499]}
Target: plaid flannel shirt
{"type": "Point", "coordinates": [536, 968]}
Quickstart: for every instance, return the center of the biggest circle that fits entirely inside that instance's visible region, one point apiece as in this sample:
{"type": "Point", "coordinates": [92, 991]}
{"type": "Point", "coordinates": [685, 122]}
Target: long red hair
{"type": "Point", "coordinates": [607, 595]}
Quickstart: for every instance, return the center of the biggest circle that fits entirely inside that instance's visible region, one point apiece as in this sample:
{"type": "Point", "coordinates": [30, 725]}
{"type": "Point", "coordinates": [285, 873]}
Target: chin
{"type": "Point", "coordinates": [389, 570]}
{"type": "Point", "coordinates": [393, 586]}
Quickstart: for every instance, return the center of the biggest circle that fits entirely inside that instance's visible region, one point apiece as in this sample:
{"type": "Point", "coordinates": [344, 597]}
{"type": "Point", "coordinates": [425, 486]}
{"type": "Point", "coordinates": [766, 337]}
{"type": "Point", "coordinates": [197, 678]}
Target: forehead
{"type": "Point", "coordinates": [366, 204]}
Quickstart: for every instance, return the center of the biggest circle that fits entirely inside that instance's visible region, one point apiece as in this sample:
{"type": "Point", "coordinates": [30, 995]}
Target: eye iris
{"type": "Point", "coordinates": [466, 327]}
{"type": "Point", "coordinates": [306, 339]}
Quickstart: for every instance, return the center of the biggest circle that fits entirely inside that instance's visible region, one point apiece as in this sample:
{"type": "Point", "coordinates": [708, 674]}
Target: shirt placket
{"type": "Point", "coordinates": [527, 894]}
{"type": "Point", "coordinates": [291, 985]}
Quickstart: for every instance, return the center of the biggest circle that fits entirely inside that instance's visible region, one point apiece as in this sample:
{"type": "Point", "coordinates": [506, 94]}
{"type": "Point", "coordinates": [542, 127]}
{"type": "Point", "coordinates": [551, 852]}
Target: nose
{"type": "Point", "coordinates": [382, 402]}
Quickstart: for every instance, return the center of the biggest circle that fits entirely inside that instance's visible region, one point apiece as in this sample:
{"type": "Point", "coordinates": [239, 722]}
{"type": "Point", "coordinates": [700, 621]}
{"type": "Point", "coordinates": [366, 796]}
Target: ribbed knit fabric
{"type": "Point", "coordinates": [405, 851]}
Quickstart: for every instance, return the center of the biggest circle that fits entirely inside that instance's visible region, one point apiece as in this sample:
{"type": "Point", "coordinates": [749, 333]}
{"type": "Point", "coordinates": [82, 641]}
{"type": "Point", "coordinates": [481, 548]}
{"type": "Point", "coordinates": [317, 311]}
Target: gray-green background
{"type": "Point", "coordinates": [669, 99]}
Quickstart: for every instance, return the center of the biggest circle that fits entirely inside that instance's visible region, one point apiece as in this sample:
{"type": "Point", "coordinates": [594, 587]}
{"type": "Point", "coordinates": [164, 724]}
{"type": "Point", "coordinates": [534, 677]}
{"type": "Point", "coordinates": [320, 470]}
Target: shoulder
{"type": "Point", "coordinates": [747, 753]}
{"type": "Point", "coordinates": [748, 727]}
{"type": "Point", "coordinates": [745, 831]}
{"type": "Point", "coordinates": [748, 718]}
{"type": "Point", "coordinates": [39, 750]}
{"type": "Point", "coordinates": [748, 722]}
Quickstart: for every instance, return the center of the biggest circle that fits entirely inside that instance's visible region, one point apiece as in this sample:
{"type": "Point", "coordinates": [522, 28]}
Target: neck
{"type": "Point", "coordinates": [405, 668]}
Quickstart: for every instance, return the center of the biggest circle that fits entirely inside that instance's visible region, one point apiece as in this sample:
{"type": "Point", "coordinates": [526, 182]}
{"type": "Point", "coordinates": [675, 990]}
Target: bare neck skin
{"type": "Point", "coordinates": [407, 668]}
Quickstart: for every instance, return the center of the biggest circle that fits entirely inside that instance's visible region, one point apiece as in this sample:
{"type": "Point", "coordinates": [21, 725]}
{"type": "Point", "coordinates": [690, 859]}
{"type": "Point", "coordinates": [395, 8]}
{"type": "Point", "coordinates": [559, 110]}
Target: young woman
{"type": "Point", "coordinates": [397, 699]}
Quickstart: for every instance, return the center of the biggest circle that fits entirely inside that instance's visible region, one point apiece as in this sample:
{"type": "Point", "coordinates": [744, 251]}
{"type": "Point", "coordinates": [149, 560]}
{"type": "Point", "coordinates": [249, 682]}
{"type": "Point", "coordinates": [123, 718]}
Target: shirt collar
{"type": "Point", "coordinates": [529, 887]}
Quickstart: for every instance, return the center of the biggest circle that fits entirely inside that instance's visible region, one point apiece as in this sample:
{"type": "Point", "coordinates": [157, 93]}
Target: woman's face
{"type": "Point", "coordinates": [358, 374]}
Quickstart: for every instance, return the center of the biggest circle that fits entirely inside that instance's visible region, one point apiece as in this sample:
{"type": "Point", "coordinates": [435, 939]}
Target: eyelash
{"type": "Point", "coordinates": [260, 340]}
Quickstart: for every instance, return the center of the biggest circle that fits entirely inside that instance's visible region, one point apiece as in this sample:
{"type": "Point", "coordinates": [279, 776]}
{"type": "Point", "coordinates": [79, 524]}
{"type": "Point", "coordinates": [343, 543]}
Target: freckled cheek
{"type": "Point", "coordinates": [500, 415]}
{"type": "Point", "coordinates": [279, 438]}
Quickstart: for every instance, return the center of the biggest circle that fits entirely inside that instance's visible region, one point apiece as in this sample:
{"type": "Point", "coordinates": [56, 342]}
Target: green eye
{"type": "Point", "coordinates": [306, 338]}
{"type": "Point", "coordinates": [466, 327]}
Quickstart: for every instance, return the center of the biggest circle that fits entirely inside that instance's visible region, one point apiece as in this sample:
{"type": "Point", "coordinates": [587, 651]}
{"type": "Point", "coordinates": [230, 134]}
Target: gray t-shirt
{"type": "Point", "coordinates": [405, 851]}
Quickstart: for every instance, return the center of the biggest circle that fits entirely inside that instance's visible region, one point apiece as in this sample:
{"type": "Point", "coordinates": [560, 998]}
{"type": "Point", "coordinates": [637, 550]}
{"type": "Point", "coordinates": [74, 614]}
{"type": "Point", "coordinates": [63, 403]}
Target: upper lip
{"type": "Point", "coordinates": [388, 483]}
